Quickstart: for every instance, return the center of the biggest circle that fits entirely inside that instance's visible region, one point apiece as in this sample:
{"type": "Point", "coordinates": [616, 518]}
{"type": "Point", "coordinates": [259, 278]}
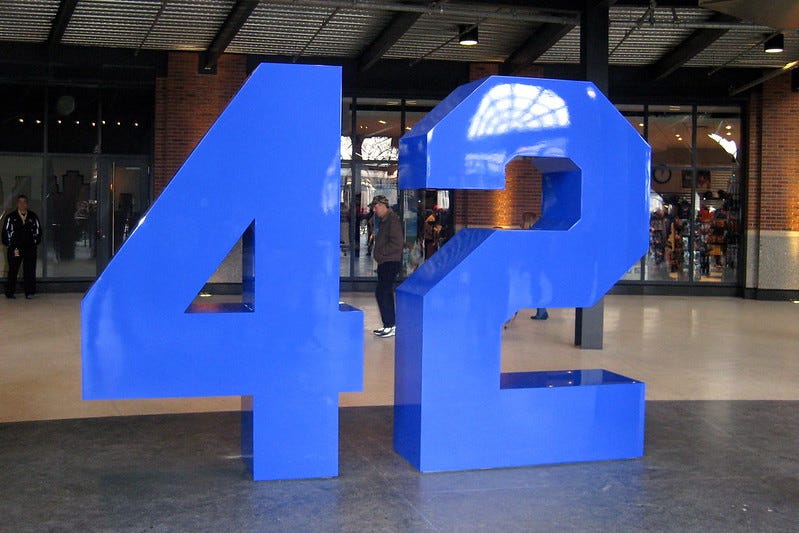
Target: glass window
{"type": "Point", "coordinates": [21, 118]}
{"type": "Point", "coordinates": [670, 135]}
{"type": "Point", "coordinates": [635, 115]}
{"type": "Point", "coordinates": [127, 121]}
{"type": "Point", "coordinates": [379, 127]}
{"type": "Point", "coordinates": [346, 128]}
{"type": "Point", "coordinates": [718, 227]}
{"type": "Point", "coordinates": [72, 126]}
{"type": "Point", "coordinates": [718, 136]}
{"type": "Point", "coordinates": [348, 227]}
{"type": "Point", "coordinates": [70, 243]}
{"type": "Point", "coordinates": [21, 174]}
{"type": "Point", "coordinates": [372, 179]}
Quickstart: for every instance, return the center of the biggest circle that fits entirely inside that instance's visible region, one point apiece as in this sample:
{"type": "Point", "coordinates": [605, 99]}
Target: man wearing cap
{"type": "Point", "coordinates": [389, 241]}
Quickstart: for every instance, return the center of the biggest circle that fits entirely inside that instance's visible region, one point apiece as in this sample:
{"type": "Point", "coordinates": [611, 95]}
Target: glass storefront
{"type": "Point", "coordinates": [695, 202]}
{"type": "Point", "coordinates": [370, 133]}
{"type": "Point", "coordinates": [81, 155]}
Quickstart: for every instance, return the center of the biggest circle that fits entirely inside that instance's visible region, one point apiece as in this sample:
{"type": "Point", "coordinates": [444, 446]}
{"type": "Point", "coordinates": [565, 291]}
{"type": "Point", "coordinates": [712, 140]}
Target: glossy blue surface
{"type": "Point", "coordinates": [453, 408]}
{"type": "Point", "coordinates": [268, 170]}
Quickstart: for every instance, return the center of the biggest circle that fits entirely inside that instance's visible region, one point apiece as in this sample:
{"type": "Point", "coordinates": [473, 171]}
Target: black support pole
{"type": "Point", "coordinates": [594, 37]}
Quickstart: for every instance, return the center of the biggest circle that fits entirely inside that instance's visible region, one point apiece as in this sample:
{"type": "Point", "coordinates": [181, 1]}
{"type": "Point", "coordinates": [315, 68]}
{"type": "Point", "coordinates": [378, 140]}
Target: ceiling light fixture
{"type": "Point", "coordinates": [775, 45]}
{"type": "Point", "coordinates": [467, 35]}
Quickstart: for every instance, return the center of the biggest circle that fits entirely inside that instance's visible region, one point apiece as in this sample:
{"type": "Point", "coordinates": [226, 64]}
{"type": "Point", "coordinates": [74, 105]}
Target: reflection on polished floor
{"type": "Point", "coordinates": [720, 451]}
{"type": "Point", "coordinates": [684, 349]}
{"type": "Point", "coordinates": [709, 466]}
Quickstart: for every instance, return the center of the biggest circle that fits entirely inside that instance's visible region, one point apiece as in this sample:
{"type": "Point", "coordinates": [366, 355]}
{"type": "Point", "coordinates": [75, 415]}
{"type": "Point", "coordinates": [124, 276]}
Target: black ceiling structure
{"type": "Point", "coordinates": [391, 45]}
{"type": "Point", "coordinates": [692, 46]}
{"type": "Point", "coordinates": [541, 39]}
{"type": "Point", "coordinates": [396, 28]}
{"type": "Point", "coordinates": [60, 22]}
{"type": "Point", "coordinates": [241, 10]}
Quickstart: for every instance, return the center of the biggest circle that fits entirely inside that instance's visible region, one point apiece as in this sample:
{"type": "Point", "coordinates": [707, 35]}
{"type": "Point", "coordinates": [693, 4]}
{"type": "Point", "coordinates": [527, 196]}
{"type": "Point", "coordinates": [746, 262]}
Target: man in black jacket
{"type": "Point", "coordinates": [389, 242]}
{"type": "Point", "coordinates": [22, 234]}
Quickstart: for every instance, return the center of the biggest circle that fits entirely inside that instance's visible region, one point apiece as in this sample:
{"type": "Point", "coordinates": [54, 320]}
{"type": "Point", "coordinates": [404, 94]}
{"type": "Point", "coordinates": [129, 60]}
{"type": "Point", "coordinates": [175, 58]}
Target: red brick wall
{"type": "Point", "coordinates": [774, 164]}
{"type": "Point", "coordinates": [186, 104]}
{"type": "Point", "coordinates": [753, 201]}
{"type": "Point", "coordinates": [522, 193]}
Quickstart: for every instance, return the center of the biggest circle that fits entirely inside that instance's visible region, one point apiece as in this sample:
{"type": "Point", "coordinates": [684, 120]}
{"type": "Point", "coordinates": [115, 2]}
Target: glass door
{"type": "Point", "coordinates": [125, 182]}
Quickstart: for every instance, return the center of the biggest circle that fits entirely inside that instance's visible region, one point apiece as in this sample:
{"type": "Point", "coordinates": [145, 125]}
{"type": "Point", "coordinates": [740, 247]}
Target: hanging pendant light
{"type": "Point", "coordinates": [468, 35]}
{"type": "Point", "coordinates": [775, 44]}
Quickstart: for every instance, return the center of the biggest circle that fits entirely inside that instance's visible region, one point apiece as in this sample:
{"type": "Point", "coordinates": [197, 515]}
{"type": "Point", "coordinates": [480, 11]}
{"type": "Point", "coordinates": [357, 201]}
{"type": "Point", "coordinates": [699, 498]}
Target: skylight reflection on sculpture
{"type": "Point", "coordinates": [513, 107]}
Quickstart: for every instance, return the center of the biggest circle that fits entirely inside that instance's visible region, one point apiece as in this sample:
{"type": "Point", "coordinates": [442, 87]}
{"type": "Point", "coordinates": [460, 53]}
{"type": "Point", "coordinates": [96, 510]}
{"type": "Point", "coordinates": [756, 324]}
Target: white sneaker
{"type": "Point", "coordinates": [387, 332]}
{"type": "Point", "coordinates": [378, 332]}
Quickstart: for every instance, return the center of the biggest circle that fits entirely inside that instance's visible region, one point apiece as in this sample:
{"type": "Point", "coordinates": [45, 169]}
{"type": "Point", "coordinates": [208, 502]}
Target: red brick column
{"type": "Point", "coordinates": [774, 165]}
{"type": "Point", "coordinates": [772, 219]}
{"type": "Point", "coordinates": [186, 104]}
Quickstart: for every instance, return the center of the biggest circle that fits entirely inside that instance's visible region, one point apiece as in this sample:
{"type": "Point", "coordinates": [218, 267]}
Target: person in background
{"type": "Point", "coordinates": [387, 253]}
{"type": "Point", "coordinates": [22, 234]}
{"type": "Point", "coordinates": [429, 233]}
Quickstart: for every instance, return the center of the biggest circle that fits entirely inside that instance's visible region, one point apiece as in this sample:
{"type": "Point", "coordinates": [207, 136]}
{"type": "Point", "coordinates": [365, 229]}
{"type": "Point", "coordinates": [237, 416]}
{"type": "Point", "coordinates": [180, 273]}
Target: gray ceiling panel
{"type": "Point", "coordinates": [305, 27]}
{"type": "Point", "coordinates": [435, 37]}
{"type": "Point", "coordinates": [188, 25]}
{"type": "Point", "coordinates": [26, 20]}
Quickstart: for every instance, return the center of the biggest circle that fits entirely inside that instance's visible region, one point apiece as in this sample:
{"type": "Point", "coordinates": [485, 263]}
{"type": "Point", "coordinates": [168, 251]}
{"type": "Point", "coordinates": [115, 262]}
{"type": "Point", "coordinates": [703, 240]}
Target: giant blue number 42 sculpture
{"type": "Point", "coordinates": [269, 170]}
{"type": "Point", "coordinates": [454, 409]}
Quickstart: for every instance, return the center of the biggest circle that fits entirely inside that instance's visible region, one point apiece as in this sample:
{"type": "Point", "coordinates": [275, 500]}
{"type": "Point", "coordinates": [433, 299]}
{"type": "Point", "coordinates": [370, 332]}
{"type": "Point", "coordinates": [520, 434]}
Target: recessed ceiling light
{"type": "Point", "coordinates": [382, 121]}
{"type": "Point", "coordinates": [21, 121]}
{"type": "Point", "coordinates": [729, 126]}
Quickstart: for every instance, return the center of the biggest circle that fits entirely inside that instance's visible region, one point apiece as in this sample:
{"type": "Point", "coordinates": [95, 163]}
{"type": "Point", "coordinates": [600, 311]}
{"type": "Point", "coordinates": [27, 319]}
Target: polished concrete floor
{"type": "Point", "coordinates": [722, 434]}
{"type": "Point", "coordinates": [684, 348]}
{"type": "Point", "coordinates": [717, 466]}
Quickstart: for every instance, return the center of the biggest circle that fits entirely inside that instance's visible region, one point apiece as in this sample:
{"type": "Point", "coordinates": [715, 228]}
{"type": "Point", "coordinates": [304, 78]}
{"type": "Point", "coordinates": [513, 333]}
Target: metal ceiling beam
{"type": "Point", "coordinates": [393, 32]}
{"type": "Point", "coordinates": [690, 48]}
{"type": "Point", "coordinates": [235, 20]}
{"type": "Point", "coordinates": [495, 12]}
{"type": "Point", "coordinates": [65, 10]}
{"type": "Point", "coordinates": [542, 39]}
{"type": "Point", "coordinates": [567, 6]}
{"type": "Point", "coordinates": [773, 73]}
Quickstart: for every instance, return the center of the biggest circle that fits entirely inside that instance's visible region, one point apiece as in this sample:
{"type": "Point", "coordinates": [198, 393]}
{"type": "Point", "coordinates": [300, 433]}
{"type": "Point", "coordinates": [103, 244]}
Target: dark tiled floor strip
{"type": "Point", "coordinates": [709, 466]}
